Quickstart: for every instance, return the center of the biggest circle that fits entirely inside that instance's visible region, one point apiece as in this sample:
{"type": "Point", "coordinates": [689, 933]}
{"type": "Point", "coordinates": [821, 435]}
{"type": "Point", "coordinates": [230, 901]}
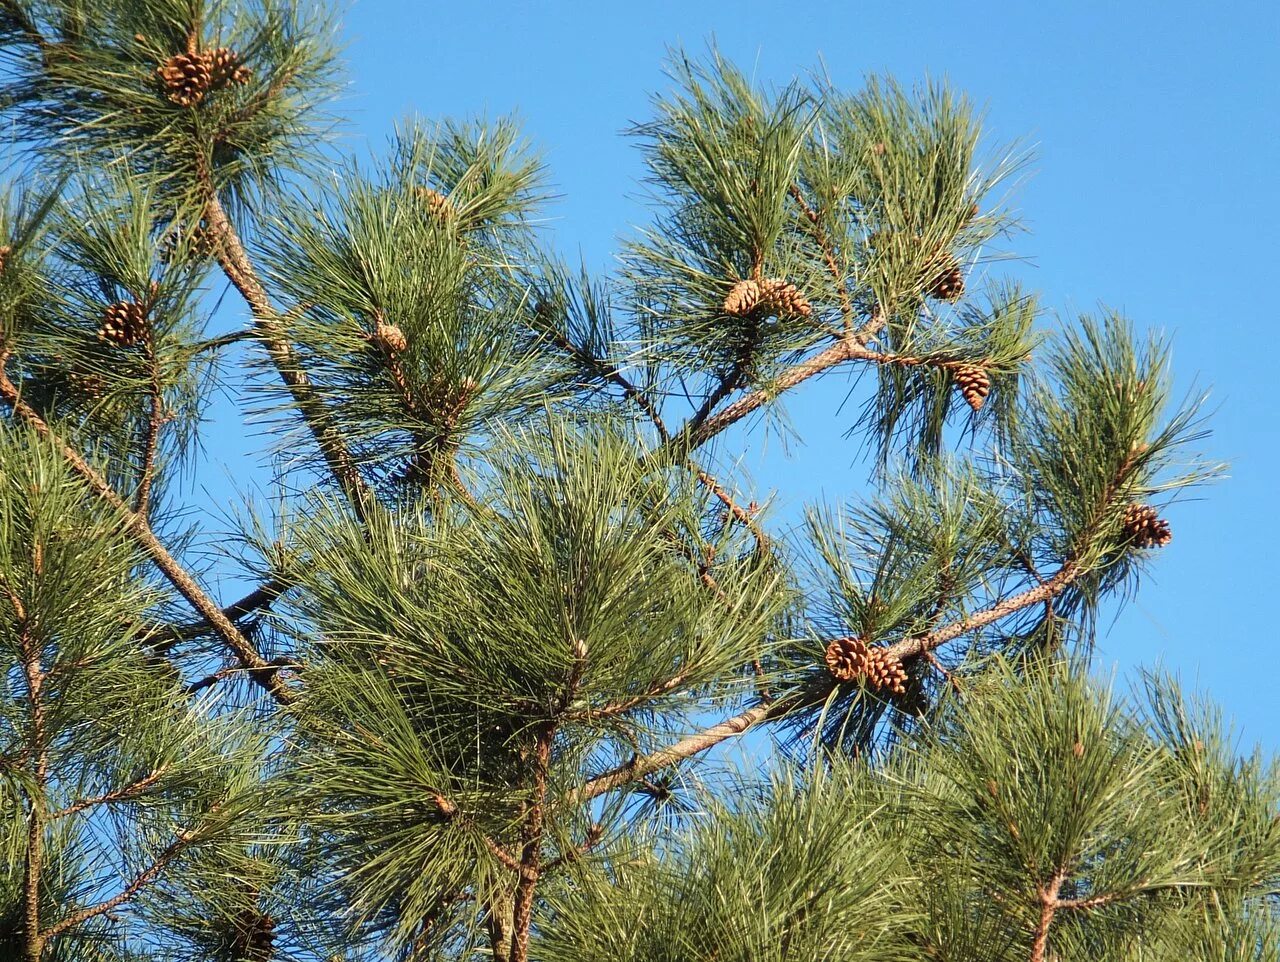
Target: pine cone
{"type": "Point", "coordinates": [186, 78]}
{"type": "Point", "coordinates": [974, 384]}
{"type": "Point", "coordinates": [773, 295]}
{"type": "Point", "coordinates": [88, 387]}
{"type": "Point", "coordinates": [254, 937]}
{"type": "Point", "coordinates": [1144, 528]}
{"type": "Point", "coordinates": [885, 672]}
{"type": "Point", "coordinates": [200, 243]}
{"type": "Point", "coordinates": [390, 338]}
{"type": "Point", "coordinates": [784, 300]}
{"type": "Point", "coordinates": [948, 283]}
{"type": "Point", "coordinates": [438, 205]}
{"type": "Point", "coordinates": [124, 323]}
{"type": "Point", "coordinates": [5, 251]}
{"type": "Point", "coordinates": [846, 658]}
{"type": "Point", "coordinates": [743, 298]}
{"type": "Point", "coordinates": [225, 68]}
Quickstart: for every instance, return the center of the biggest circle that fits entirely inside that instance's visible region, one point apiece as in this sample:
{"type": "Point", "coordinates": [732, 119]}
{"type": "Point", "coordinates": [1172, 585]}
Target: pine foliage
{"type": "Point", "coordinates": [515, 599]}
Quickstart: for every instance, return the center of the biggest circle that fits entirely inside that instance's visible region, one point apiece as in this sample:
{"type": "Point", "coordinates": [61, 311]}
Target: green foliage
{"type": "Point", "coordinates": [1032, 786]}
{"type": "Point", "coordinates": [515, 593]}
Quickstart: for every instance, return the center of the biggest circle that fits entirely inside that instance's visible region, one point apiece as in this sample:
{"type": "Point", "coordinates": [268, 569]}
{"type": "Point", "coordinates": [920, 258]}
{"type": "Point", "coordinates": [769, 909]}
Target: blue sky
{"type": "Point", "coordinates": [1153, 191]}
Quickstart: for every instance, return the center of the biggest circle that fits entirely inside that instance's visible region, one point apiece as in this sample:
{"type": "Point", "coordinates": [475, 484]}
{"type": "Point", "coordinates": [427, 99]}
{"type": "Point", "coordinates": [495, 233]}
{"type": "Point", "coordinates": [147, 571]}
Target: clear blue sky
{"type": "Point", "coordinates": [1153, 190]}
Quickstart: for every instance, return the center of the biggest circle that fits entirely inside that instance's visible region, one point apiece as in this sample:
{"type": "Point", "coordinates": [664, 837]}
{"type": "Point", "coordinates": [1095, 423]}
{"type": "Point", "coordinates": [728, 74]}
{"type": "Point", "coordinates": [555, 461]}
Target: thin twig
{"type": "Point", "coordinates": [130, 791]}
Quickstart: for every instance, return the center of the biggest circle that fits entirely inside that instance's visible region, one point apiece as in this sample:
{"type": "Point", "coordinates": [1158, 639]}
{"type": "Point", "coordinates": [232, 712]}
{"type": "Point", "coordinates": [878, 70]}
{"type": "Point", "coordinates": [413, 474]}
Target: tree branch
{"type": "Point", "coordinates": [132, 790]}
{"type": "Point", "coordinates": [259, 668]}
{"type": "Point", "coordinates": [235, 263]}
{"type": "Point", "coordinates": [155, 420]}
{"type": "Point", "coordinates": [819, 688]}
{"type": "Point", "coordinates": [610, 372]}
{"type": "Point", "coordinates": [143, 878]}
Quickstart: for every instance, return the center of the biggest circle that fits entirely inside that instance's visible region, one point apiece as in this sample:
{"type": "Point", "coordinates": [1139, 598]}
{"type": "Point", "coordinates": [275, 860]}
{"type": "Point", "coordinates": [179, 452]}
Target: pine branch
{"type": "Point", "coordinates": [130, 791]}
{"type": "Point", "coordinates": [141, 880]}
{"type": "Point", "coordinates": [828, 255]}
{"type": "Point", "coordinates": [151, 442]}
{"type": "Point", "coordinates": [235, 263]}
{"type": "Point", "coordinates": [815, 692]}
{"type": "Point", "coordinates": [260, 670]}
{"type": "Point", "coordinates": [610, 372]}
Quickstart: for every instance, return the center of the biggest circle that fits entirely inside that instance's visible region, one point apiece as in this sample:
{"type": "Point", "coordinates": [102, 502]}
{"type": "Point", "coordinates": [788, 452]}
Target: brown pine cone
{"type": "Point", "coordinates": [124, 323]}
{"type": "Point", "coordinates": [974, 384]}
{"type": "Point", "coordinates": [225, 68]}
{"type": "Point", "coordinates": [948, 283]}
{"type": "Point", "coordinates": [846, 658]}
{"type": "Point", "coordinates": [784, 299]}
{"type": "Point", "coordinates": [743, 298]}
{"type": "Point", "coordinates": [885, 672]}
{"type": "Point", "coordinates": [186, 78]}
{"type": "Point", "coordinates": [390, 338]}
{"type": "Point", "coordinates": [5, 251]}
{"type": "Point", "coordinates": [1144, 528]}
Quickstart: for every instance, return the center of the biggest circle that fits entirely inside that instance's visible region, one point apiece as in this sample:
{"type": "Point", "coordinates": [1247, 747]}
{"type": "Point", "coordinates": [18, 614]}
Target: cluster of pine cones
{"type": "Point", "coordinates": [849, 659]}
{"type": "Point", "coordinates": [187, 77]}
{"type": "Point", "coordinates": [770, 295]}
{"type": "Point", "coordinates": [1144, 528]}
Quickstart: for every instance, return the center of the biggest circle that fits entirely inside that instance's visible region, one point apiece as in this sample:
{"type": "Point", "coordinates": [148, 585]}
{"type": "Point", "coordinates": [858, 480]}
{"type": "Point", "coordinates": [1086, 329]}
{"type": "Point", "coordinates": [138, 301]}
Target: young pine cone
{"type": "Point", "coordinates": [124, 323]}
{"type": "Point", "coordinates": [390, 338]}
{"type": "Point", "coordinates": [438, 205]}
{"type": "Point", "coordinates": [974, 384]}
{"type": "Point", "coordinates": [1144, 528]}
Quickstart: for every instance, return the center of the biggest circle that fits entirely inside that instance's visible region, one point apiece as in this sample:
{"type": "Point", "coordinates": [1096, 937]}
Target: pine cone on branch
{"type": "Point", "coordinates": [846, 658]}
{"type": "Point", "coordinates": [390, 338]}
{"type": "Point", "coordinates": [974, 384]}
{"type": "Point", "coordinates": [186, 78]}
{"type": "Point", "coordinates": [254, 937]}
{"type": "Point", "coordinates": [885, 672]}
{"type": "Point", "coordinates": [189, 76]}
{"type": "Point", "coordinates": [743, 298]}
{"type": "Point", "coordinates": [948, 283]}
{"type": "Point", "coordinates": [772, 295]}
{"type": "Point", "coordinates": [784, 299]}
{"type": "Point", "coordinates": [226, 68]}
{"type": "Point", "coordinates": [1144, 528]}
{"type": "Point", "coordinates": [124, 323]}
{"type": "Point", "coordinates": [438, 205]}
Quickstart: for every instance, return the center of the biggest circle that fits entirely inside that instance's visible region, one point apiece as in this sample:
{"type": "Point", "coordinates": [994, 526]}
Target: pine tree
{"type": "Point", "coordinates": [514, 601]}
